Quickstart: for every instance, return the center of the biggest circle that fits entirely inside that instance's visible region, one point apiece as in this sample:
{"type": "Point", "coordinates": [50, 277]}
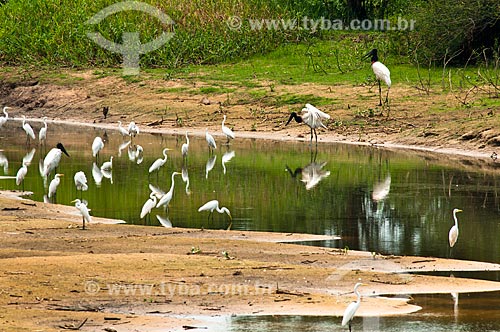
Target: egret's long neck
{"type": "Point", "coordinates": [455, 217]}
{"type": "Point", "coordinates": [5, 112]}
{"type": "Point", "coordinates": [358, 295]}
{"type": "Point", "coordinates": [165, 155]}
{"type": "Point", "coordinates": [173, 183]}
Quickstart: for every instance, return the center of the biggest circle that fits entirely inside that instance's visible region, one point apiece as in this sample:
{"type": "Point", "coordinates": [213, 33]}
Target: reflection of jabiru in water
{"type": "Point", "coordinates": [227, 158]}
{"type": "Point", "coordinates": [311, 174]}
{"type": "Point", "coordinates": [381, 189]}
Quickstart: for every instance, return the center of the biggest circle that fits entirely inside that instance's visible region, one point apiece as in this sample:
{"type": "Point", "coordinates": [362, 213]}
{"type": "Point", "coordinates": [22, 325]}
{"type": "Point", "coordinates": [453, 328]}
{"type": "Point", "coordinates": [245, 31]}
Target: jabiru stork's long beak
{"type": "Point", "coordinates": [61, 147]}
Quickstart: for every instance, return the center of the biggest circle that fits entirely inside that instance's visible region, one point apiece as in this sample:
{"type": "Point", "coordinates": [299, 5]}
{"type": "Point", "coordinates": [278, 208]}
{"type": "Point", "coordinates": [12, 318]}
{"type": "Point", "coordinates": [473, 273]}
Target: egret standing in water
{"type": "Point", "coordinates": [133, 129]}
{"type": "Point", "coordinates": [97, 146]}
{"type": "Point", "coordinates": [381, 72]}
{"type": "Point", "coordinates": [148, 205]}
{"type": "Point", "coordinates": [84, 210]}
{"type": "Point", "coordinates": [52, 159]}
{"type": "Point", "coordinates": [211, 141]}
{"type": "Point", "coordinates": [29, 131]}
{"type": "Point", "coordinates": [352, 307]}
{"type": "Point", "coordinates": [453, 234]}
{"type": "Point", "coordinates": [312, 117]}
{"type": "Point", "coordinates": [4, 119]}
{"type": "Point", "coordinates": [81, 182]}
{"type": "Point", "coordinates": [227, 131]}
{"type": "Point", "coordinates": [214, 205]}
{"type": "Point", "coordinates": [54, 184]}
{"type": "Point", "coordinates": [165, 199]}
{"type": "Point", "coordinates": [21, 174]}
{"type": "Point", "coordinates": [185, 147]}
{"type": "Point", "coordinates": [158, 163]}
{"type": "Point", "coordinates": [122, 130]}
{"type": "Point", "coordinates": [42, 135]}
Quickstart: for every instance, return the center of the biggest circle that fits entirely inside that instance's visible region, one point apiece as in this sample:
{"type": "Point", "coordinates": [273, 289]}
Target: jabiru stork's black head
{"type": "Point", "coordinates": [373, 54]}
{"type": "Point", "coordinates": [294, 115]}
{"type": "Point", "coordinates": [61, 147]}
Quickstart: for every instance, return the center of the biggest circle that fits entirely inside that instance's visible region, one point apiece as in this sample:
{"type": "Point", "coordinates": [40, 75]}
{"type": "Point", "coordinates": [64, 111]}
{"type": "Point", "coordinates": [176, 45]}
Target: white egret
{"type": "Point", "coordinates": [185, 147]}
{"type": "Point", "coordinates": [107, 165]}
{"type": "Point", "coordinates": [42, 135]}
{"type": "Point", "coordinates": [148, 205]}
{"type": "Point", "coordinates": [214, 205]}
{"type": "Point", "coordinates": [21, 174]}
{"type": "Point", "coordinates": [4, 119]}
{"type": "Point", "coordinates": [453, 234]}
{"type": "Point", "coordinates": [210, 140]}
{"type": "Point", "coordinates": [29, 131]}
{"type": "Point", "coordinates": [312, 117]}
{"type": "Point", "coordinates": [226, 130]}
{"type": "Point", "coordinates": [210, 165]}
{"type": "Point", "coordinates": [157, 191]}
{"type": "Point", "coordinates": [352, 307]}
{"type": "Point", "coordinates": [84, 210]}
{"type": "Point", "coordinates": [97, 146]}
{"type": "Point", "coordinates": [381, 72]}
{"type": "Point", "coordinates": [122, 130]}
{"type": "Point", "coordinates": [97, 174]}
{"type": "Point", "coordinates": [158, 163]}
{"type": "Point", "coordinates": [226, 157]}
{"type": "Point", "coordinates": [165, 199]}
{"type": "Point", "coordinates": [52, 159]}
{"type": "Point", "coordinates": [133, 129]}
{"type": "Point", "coordinates": [164, 221]}
{"type": "Point", "coordinates": [54, 184]}
{"type": "Point", "coordinates": [81, 181]}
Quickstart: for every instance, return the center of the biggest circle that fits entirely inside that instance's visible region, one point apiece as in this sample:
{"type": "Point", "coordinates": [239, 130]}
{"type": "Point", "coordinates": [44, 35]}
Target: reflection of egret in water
{"type": "Point", "coordinates": [28, 157]}
{"type": "Point", "coordinates": [4, 162]}
{"type": "Point", "coordinates": [97, 174]}
{"type": "Point", "coordinates": [381, 189]}
{"type": "Point", "coordinates": [454, 296]}
{"type": "Point", "coordinates": [122, 146]}
{"type": "Point", "coordinates": [185, 178]}
{"type": "Point", "coordinates": [108, 174]}
{"type": "Point", "coordinates": [164, 221]}
{"type": "Point", "coordinates": [210, 164]}
{"type": "Point", "coordinates": [135, 153]}
{"type": "Point", "coordinates": [227, 158]}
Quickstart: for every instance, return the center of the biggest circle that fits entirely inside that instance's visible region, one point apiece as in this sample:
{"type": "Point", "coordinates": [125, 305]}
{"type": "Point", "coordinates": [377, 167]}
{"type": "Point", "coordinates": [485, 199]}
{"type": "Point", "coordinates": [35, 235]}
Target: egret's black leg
{"type": "Point", "coordinates": [316, 135]}
{"type": "Point", "coordinates": [83, 219]}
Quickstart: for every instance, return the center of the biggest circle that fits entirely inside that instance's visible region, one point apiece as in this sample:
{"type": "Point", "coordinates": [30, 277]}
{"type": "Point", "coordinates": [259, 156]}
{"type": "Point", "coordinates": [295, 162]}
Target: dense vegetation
{"type": "Point", "coordinates": [53, 32]}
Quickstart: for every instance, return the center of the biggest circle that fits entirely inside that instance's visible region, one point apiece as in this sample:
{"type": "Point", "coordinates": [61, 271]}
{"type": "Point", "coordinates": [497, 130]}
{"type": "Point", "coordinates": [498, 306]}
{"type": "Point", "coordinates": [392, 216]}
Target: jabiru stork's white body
{"type": "Point", "coordinates": [381, 72]}
{"type": "Point", "coordinates": [52, 159]}
{"type": "Point", "coordinates": [312, 117]}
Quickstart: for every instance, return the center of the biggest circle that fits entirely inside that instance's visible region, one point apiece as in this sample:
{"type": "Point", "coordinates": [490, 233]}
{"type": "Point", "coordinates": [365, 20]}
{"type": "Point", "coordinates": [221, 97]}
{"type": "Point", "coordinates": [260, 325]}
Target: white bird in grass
{"type": "Point", "coordinates": [107, 165]}
{"type": "Point", "coordinates": [352, 307]}
{"type": "Point", "coordinates": [122, 130]}
{"type": "Point", "coordinates": [210, 140]}
{"type": "Point", "coordinates": [21, 174]}
{"type": "Point", "coordinates": [158, 163]}
{"type": "Point", "coordinates": [312, 117]}
{"type": "Point", "coordinates": [97, 146]}
{"type": "Point", "coordinates": [227, 131]}
{"type": "Point", "coordinates": [381, 72]}
{"type": "Point", "coordinates": [4, 119]}
{"type": "Point", "coordinates": [29, 131]}
{"type": "Point", "coordinates": [42, 135]}
{"type": "Point", "coordinates": [148, 205]}
{"type": "Point", "coordinates": [84, 210]}
{"type": "Point", "coordinates": [453, 234]}
{"type": "Point", "coordinates": [54, 184]}
{"type": "Point", "coordinates": [52, 159]}
{"type": "Point", "coordinates": [165, 199]}
{"type": "Point", "coordinates": [185, 147]}
{"type": "Point", "coordinates": [214, 205]}
{"type": "Point", "coordinates": [81, 181]}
